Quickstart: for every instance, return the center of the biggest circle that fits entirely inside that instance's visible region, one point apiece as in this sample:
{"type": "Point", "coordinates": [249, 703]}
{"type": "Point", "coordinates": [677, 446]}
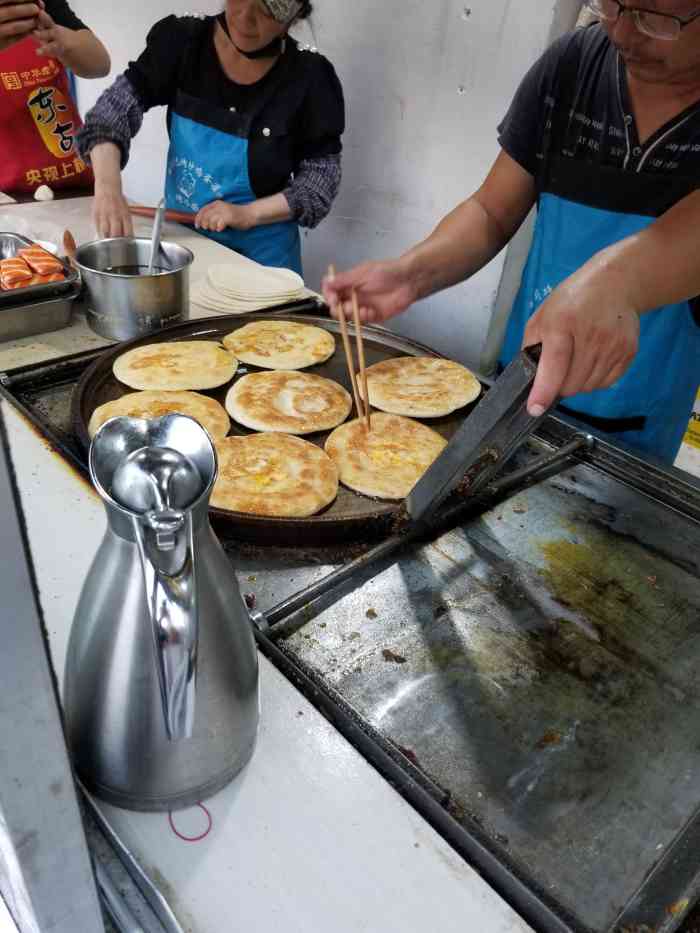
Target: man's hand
{"type": "Point", "coordinates": [17, 21]}
{"type": "Point", "coordinates": [219, 215]}
{"type": "Point", "coordinates": [589, 335]}
{"type": "Point", "coordinates": [384, 289]}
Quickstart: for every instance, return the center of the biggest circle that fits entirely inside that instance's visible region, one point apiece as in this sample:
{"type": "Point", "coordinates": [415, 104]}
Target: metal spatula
{"type": "Point", "coordinates": [484, 443]}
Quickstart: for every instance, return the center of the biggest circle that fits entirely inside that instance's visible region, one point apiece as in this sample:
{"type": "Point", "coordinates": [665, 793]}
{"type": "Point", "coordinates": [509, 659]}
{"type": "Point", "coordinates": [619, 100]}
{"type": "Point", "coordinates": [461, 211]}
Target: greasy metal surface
{"type": "Point", "coordinates": [351, 516]}
{"type": "Point", "coordinates": [671, 487]}
{"type": "Point", "coordinates": [44, 392]}
{"type": "Point", "coordinates": [540, 664]}
{"type": "Point", "coordinates": [371, 562]}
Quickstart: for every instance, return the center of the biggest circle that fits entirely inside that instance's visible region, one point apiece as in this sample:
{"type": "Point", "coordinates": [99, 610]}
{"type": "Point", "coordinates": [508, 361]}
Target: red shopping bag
{"type": "Point", "coordinates": [38, 122]}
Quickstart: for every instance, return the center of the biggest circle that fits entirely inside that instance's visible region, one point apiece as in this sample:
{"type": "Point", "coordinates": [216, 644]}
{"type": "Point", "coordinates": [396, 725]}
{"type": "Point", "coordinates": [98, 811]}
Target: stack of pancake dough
{"type": "Point", "coordinates": [276, 472]}
{"type": "Point", "coordinates": [242, 285]}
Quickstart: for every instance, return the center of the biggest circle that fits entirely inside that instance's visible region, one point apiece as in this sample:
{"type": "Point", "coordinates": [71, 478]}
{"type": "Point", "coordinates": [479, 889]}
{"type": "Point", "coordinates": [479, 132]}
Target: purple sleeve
{"type": "Point", "coordinates": [313, 189]}
{"type": "Point", "coordinates": [116, 118]}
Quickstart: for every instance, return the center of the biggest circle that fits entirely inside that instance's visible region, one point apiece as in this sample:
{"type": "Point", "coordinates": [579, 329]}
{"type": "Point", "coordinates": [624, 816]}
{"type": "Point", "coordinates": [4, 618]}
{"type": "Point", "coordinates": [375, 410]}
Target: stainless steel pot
{"type": "Point", "coordinates": [123, 301]}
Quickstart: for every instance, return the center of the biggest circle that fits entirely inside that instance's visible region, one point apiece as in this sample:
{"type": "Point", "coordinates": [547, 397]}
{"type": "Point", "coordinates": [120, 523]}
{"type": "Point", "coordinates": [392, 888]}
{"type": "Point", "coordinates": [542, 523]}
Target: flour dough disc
{"type": "Point", "coordinates": [280, 345]}
{"type": "Point", "coordinates": [288, 402]}
{"type": "Point", "coordinates": [255, 282]}
{"type": "Point", "coordinates": [274, 475]}
{"type": "Point", "coordinates": [387, 462]}
{"type": "Point", "coordinates": [207, 411]}
{"type": "Point", "coordinates": [420, 386]}
{"type": "Point", "coordinates": [186, 364]}
{"type": "Point", "coordinates": [202, 294]}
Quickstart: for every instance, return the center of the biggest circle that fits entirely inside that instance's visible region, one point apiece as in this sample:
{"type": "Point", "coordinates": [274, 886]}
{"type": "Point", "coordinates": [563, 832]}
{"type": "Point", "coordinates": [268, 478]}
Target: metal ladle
{"type": "Point", "coordinates": [155, 237]}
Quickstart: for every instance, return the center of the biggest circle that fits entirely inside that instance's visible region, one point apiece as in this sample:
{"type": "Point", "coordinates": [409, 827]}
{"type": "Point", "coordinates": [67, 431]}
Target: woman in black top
{"type": "Point", "coordinates": [254, 123]}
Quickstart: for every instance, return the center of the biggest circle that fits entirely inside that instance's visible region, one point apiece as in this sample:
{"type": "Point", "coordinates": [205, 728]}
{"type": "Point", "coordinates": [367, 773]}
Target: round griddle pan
{"type": "Point", "coordinates": [352, 518]}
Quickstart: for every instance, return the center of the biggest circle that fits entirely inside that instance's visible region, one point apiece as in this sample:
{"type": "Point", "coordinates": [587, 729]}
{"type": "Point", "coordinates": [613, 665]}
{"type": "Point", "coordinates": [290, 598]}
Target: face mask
{"type": "Point", "coordinates": [283, 11]}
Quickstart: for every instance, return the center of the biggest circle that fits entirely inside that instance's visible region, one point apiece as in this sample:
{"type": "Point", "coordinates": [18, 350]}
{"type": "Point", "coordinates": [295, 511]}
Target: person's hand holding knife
{"type": "Point", "coordinates": [589, 331]}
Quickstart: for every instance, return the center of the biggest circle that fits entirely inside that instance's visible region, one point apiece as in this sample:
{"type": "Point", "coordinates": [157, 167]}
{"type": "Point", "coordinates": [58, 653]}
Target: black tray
{"type": "Point", "coordinates": [351, 516]}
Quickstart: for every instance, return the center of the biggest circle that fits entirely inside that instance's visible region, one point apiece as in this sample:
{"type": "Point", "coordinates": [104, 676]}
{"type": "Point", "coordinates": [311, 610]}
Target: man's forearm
{"type": "Point", "coordinates": [660, 265]}
{"type": "Point", "coordinates": [86, 55]}
{"type": "Point", "coordinates": [462, 244]}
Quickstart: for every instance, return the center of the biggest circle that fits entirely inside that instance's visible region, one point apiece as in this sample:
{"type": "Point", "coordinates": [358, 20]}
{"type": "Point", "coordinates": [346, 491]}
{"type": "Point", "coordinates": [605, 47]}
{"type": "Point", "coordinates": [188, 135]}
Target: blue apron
{"type": "Point", "coordinates": [208, 164]}
{"type": "Point", "coordinates": [649, 406]}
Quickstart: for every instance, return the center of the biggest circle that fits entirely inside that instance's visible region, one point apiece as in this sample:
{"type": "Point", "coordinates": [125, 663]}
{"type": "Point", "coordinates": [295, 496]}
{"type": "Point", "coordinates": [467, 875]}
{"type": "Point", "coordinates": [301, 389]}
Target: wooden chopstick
{"type": "Point", "coordinates": [348, 351]}
{"type": "Point", "coordinates": [361, 356]}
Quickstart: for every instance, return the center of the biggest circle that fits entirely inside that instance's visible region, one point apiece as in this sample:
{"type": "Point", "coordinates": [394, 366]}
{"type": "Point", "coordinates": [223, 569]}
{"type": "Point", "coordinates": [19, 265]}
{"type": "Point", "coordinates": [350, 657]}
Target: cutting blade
{"type": "Point", "coordinates": [486, 440]}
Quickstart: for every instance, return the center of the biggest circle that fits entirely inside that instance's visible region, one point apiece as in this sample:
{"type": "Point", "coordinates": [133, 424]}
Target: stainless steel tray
{"type": "Point", "coordinates": [40, 316]}
{"type": "Point", "coordinates": [10, 244]}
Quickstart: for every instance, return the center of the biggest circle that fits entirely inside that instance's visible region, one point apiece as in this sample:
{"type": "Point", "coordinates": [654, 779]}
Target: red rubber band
{"type": "Point", "coordinates": [192, 838]}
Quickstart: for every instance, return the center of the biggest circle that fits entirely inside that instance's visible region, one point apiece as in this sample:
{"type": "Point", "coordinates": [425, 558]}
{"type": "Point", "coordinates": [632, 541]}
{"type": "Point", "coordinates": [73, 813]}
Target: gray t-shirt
{"type": "Point", "coordinates": [574, 104]}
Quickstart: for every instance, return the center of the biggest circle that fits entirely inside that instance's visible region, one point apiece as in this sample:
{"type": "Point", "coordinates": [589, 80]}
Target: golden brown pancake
{"type": "Point", "coordinates": [420, 387]}
{"type": "Point", "coordinates": [289, 402]}
{"type": "Point", "coordinates": [388, 461]}
{"type": "Point", "coordinates": [207, 411]}
{"type": "Point", "coordinates": [184, 364]}
{"type": "Point", "coordinates": [274, 475]}
{"type": "Point", "coordinates": [280, 345]}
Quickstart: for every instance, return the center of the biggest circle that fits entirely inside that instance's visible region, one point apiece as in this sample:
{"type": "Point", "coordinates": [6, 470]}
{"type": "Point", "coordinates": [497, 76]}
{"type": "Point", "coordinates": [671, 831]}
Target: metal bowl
{"type": "Point", "coordinates": [123, 300]}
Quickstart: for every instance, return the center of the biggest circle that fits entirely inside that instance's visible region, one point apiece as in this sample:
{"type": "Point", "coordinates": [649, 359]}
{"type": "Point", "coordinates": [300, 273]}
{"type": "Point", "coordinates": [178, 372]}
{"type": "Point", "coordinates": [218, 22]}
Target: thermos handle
{"type": "Point", "coordinates": [166, 547]}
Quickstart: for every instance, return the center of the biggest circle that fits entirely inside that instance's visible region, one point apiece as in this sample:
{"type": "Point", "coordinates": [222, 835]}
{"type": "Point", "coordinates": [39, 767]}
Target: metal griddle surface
{"type": "Point", "coordinates": [351, 516]}
{"type": "Point", "coordinates": [541, 665]}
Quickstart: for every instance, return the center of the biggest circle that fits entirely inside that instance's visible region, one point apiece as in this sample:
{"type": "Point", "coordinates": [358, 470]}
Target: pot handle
{"type": "Point", "coordinates": [166, 548]}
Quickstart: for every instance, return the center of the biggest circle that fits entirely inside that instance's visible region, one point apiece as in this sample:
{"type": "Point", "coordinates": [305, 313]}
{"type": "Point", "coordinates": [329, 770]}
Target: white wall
{"type": "Point", "coordinates": [426, 84]}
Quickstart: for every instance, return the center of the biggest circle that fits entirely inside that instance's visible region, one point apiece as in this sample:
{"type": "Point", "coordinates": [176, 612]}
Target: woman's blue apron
{"type": "Point", "coordinates": [210, 163]}
{"type": "Point", "coordinates": [650, 405]}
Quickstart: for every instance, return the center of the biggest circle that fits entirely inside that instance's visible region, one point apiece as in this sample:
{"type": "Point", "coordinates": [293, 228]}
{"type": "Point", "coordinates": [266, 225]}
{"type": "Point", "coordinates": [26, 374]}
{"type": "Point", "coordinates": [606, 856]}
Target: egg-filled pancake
{"type": "Point", "coordinates": [207, 411]}
{"type": "Point", "coordinates": [420, 386]}
{"type": "Point", "coordinates": [186, 364]}
{"type": "Point", "coordinates": [387, 461]}
{"type": "Point", "coordinates": [280, 345]}
{"type": "Point", "coordinates": [289, 402]}
{"type": "Point", "coordinates": [274, 475]}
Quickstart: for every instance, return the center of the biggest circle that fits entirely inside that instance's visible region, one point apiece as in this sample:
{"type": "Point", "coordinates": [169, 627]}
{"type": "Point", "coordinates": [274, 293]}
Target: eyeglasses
{"type": "Point", "coordinates": [655, 25]}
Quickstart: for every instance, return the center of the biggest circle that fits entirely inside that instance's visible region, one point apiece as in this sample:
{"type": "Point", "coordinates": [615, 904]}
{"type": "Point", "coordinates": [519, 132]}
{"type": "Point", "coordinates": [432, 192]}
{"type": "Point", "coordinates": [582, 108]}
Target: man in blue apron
{"type": "Point", "coordinates": [604, 136]}
{"type": "Point", "coordinates": [254, 123]}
